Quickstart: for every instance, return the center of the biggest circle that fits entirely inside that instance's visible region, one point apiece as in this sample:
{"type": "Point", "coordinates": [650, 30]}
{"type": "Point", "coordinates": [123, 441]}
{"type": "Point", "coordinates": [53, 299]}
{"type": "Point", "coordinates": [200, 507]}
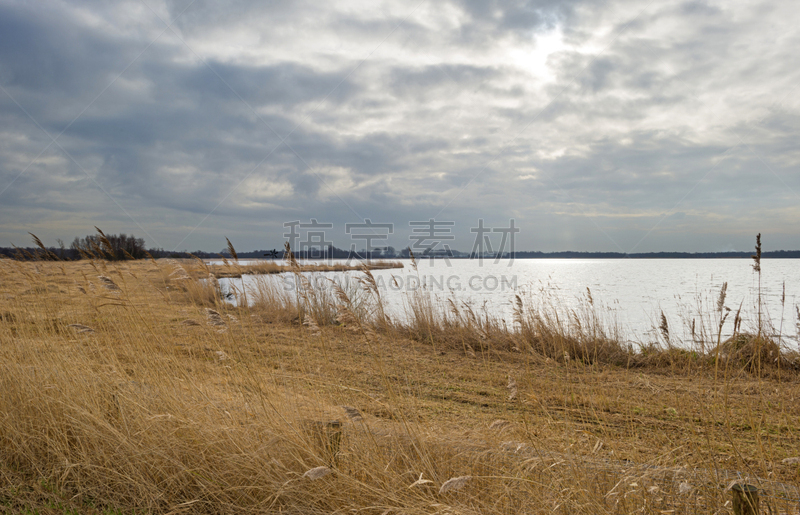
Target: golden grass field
{"type": "Point", "coordinates": [132, 387]}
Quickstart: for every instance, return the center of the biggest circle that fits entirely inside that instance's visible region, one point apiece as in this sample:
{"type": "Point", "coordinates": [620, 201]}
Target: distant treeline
{"type": "Point", "coordinates": [655, 255]}
{"type": "Point", "coordinates": [130, 247]}
{"type": "Point", "coordinates": [69, 254]}
{"type": "Point", "coordinates": [112, 247]}
{"type": "Point", "coordinates": [336, 253]}
{"type": "Point", "coordinates": [122, 246]}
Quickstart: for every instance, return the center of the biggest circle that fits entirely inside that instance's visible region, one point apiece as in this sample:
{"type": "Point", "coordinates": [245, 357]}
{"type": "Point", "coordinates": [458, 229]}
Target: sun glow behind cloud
{"type": "Point", "coordinates": [532, 58]}
{"type": "Point", "coordinates": [403, 110]}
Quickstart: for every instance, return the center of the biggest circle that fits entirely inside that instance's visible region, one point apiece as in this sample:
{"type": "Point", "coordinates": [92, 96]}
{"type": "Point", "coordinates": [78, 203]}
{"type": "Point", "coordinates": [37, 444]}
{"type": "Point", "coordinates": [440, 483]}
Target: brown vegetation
{"type": "Point", "coordinates": [135, 388]}
{"type": "Point", "coordinates": [271, 267]}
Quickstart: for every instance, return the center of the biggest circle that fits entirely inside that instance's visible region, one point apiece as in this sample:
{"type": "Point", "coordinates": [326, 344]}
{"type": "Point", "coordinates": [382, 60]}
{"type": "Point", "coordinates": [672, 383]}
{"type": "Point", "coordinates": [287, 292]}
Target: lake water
{"type": "Point", "coordinates": [630, 292]}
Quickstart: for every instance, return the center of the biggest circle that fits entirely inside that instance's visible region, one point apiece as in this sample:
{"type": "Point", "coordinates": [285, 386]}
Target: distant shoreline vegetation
{"type": "Point", "coordinates": [656, 255]}
{"type": "Point", "coordinates": [35, 253]}
{"type": "Point", "coordinates": [121, 247]}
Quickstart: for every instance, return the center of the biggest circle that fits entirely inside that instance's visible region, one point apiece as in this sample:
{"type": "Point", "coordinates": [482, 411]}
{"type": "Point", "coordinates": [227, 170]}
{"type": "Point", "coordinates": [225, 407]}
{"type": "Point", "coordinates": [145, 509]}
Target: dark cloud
{"type": "Point", "coordinates": [46, 53]}
{"type": "Point", "coordinates": [590, 123]}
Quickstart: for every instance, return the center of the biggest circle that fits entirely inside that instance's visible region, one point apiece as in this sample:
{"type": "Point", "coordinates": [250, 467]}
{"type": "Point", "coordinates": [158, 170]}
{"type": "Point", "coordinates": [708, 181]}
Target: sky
{"type": "Point", "coordinates": [591, 125]}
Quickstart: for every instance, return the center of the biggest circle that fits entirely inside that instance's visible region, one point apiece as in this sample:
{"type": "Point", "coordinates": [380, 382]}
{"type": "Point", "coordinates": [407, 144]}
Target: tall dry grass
{"type": "Point", "coordinates": [271, 267]}
{"type": "Point", "coordinates": [136, 386]}
{"type": "Point", "coordinates": [712, 334]}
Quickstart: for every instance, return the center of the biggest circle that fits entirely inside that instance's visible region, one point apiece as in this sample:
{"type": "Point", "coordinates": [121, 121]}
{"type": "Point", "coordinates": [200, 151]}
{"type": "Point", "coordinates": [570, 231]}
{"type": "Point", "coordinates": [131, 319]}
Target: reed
{"type": "Point", "coordinates": [113, 402]}
{"type": "Point", "coordinates": [270, 267]}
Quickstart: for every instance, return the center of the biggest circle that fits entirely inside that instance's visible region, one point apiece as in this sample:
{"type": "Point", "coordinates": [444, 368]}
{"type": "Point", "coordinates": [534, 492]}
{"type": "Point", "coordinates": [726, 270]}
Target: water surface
{"type": "Point", "coordinates": [629, 292]}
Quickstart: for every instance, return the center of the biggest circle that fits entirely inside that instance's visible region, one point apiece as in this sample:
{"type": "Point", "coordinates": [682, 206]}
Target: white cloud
{"type": "Point", "coordinates": [586, 113]}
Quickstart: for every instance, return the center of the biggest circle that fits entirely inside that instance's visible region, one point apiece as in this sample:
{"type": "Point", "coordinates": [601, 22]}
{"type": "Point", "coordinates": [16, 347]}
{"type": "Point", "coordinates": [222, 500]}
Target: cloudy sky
{"type": "Point", "coordinates": [595, 125]}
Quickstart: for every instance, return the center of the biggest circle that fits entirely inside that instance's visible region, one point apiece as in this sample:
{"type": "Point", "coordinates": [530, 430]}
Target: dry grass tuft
{"type": "Point", "coordinates": [270, 267]}
{"type": "Point", "coordinates": [753, 352]}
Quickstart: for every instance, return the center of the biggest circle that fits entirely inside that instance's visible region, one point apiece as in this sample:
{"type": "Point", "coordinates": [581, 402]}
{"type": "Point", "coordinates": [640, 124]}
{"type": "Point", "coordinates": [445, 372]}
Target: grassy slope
{"type": "Point", "coordinates": [151, 413]}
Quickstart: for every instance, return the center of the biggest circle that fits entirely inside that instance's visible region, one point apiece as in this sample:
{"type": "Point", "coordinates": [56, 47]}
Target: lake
{"type": "Point", "coordinates": [630, 292]}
